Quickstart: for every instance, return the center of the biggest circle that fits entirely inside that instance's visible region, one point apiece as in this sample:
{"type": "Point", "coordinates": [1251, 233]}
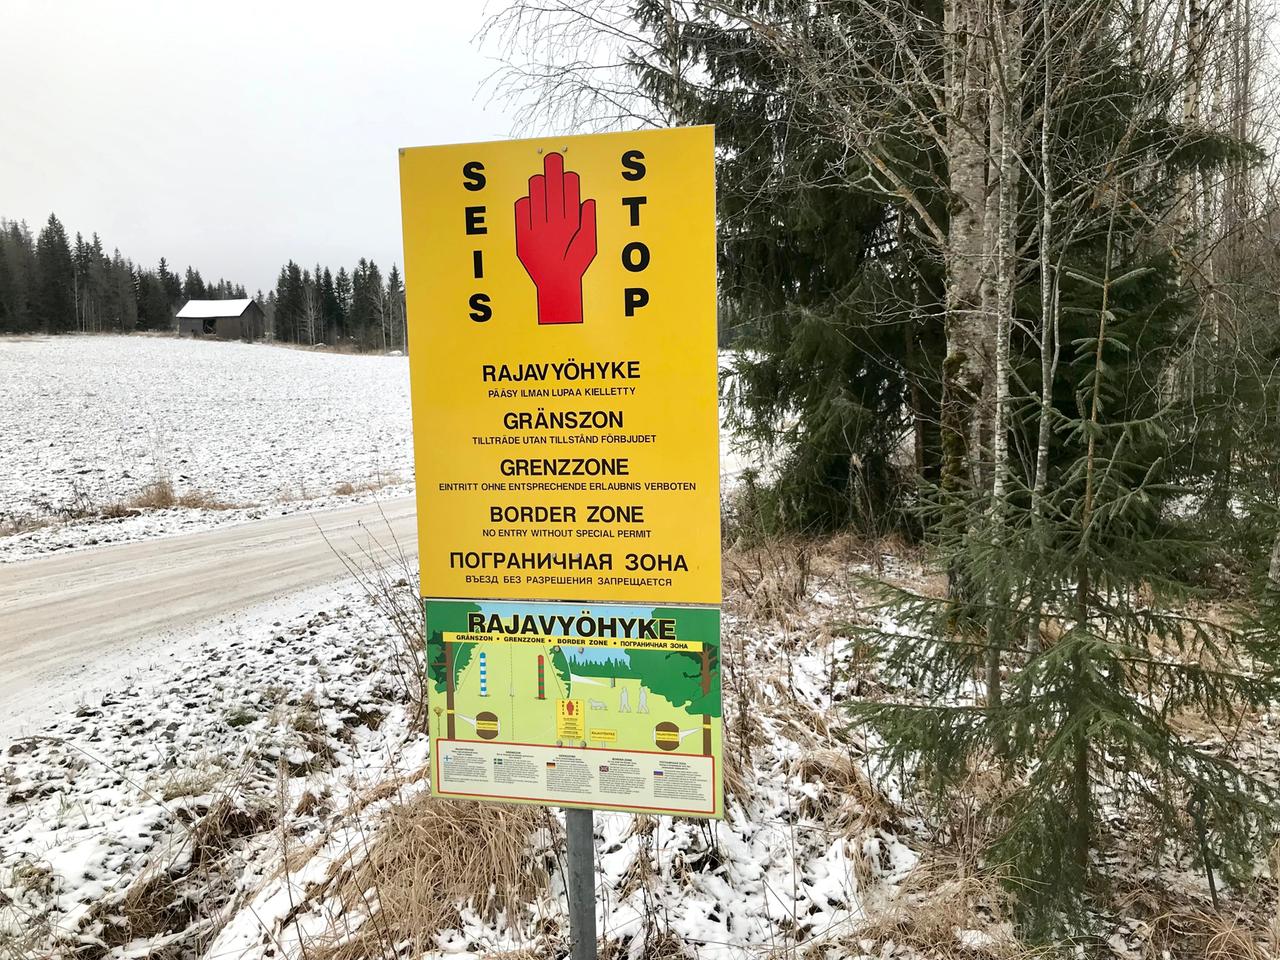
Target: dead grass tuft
{"type": "Point", "coordinates": [160, 495]}
{"type": "Point", "coordinates": [24, 936]}
{"type": "Point", "coordinates": [169, 897]}
{"type": "Point", "coordinates": [12, 524]}
{"type": "Point", "coordinates": [157, 495]}
{"type": "Point", "coordinates": [736, 770]}
{"type": "Point", "coordinates": [1231, 940]}
{"type": "Point", "coordinates": [1196, 932]}
{"type": "Point", "coordinates": [772, 577]}
{"type": "Point", "coordinates": [429, 858]}
{"type": "Point", "coordinates": [349, 489]}
{"type": "Point", "coordinates": [190, 782]}
{"type": "Point", "coordinates": [945, 910]}
{"type": "Point", "coordinates": [848, 800]}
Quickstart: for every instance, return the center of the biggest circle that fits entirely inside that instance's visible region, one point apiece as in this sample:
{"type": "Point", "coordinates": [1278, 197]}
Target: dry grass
{"type": "Point", "coordinates": [389, 577]}
{"type": "Point", "coordinates": [938, 901]}
{"type": "Point", "coordinates": [849, 802]}
{"type": "Point", "coordinates": [157, 495]}
{"type": "Point", "coordinates": [12, 524]}
{"type": "Point", "coordinates": [1194, 933]}
{"type": "Point", "coordinates": [429, 858]}
{"type": "Point", "coordinates": [660, 946]}
{"type": "Point", "coordinates": [24, 935]}
{"type": "Point", "coordinates": [771, 578]}
{"type": "Point", "coordinates": [1176, 920]}
{"type": "Point", "coordinates": [350, 489]}
{"type": "Point", "coordinates": [189, 782]}
{"type": "Point", "coordinates": [160, 495]}
{"type": "Point", "coordinates": [169, 898]}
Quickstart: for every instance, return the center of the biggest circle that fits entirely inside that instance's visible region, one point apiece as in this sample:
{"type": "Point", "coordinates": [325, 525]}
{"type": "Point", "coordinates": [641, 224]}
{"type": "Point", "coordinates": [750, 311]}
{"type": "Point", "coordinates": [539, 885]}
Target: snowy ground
{"type": "Point", "coordinates": [207, 803]}
{"type": "Point", "coordinates": [221, 796]}
{"type": "Point", "coordinates": [90, 422]}
{"type": "Point", "coordinates": [239, 720]}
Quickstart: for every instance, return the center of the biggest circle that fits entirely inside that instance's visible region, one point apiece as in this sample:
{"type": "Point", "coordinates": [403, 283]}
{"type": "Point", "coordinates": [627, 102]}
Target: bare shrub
{"type": "Point", "coordinates": [389, 577]}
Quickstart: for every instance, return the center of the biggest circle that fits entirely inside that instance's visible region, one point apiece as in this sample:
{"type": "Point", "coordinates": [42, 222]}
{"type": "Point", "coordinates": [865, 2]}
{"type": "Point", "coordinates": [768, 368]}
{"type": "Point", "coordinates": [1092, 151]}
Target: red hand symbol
{"type": "Point", "coordinates": [556, 240]}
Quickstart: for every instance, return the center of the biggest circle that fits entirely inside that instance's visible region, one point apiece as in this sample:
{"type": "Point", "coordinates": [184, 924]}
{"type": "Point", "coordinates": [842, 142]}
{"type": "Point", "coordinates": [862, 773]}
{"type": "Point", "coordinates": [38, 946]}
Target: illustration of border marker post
{"type": "Point", "coordinates": [562, 343]}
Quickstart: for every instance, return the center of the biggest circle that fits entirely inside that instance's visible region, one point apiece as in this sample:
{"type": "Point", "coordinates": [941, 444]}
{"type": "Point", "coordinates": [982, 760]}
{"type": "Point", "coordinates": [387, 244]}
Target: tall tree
{"type": "Point", "coordinates": [397, 326]}
{"type": "Point", "coordinates": [342, 294]}
{"type": "Point", "coordinates": [55, 298]}
{"type": "Point", "coordinates": [193, 286]}
{"type": "Point", "coordinates": [17, 276]}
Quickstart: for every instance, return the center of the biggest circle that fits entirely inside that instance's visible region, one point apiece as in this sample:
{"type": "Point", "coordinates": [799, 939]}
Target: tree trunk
{"type": "Point", "coordinates": [968, 363]}
{"type": "Point", "coordinates": [1006, 143]}
{"type": "Point", "coordinates": [1192, 91]}
{"type": "Point", "coordinates": [1048, 326]}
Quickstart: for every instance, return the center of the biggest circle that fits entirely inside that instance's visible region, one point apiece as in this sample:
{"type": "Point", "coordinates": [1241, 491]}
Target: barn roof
{"type": "Point", "coordinates": [209, 309]}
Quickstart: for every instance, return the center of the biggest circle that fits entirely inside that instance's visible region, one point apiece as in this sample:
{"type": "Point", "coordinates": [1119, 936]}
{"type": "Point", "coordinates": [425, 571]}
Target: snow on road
{"type": "Point", "coordinates": [64, 617]}
{"type": "Point", "coordinates": [91, 421]}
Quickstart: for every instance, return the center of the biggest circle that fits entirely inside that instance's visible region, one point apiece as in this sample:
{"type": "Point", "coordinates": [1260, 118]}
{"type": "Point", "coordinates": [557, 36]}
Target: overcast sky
{"type": "Point", "coordinates": [233, 135]}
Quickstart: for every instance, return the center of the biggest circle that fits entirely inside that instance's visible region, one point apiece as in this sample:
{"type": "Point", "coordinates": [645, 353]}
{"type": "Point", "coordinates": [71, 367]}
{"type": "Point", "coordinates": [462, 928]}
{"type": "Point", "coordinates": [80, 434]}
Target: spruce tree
{"type": "Point", "coordinates": [55, 299]}
{"type": "Point", "coordinates": [17, 247]}
{"type": "Point", "coordinates": [395, 309]}
{"type": "Point", "coordinates": [193, 286]}
{"type": "Point", "coordinates": [8, 317]}
{"type": "Point", "coordinates": [836, 304]}
{"type": "Point", "coordinates": [342, 294]}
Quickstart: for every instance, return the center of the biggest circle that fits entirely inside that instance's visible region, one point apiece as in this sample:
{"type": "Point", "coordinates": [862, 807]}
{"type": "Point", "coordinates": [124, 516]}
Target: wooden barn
{"type": "Point", "coordinates": [221, 319]}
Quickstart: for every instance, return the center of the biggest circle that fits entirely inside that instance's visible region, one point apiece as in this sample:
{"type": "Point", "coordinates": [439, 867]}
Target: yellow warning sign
{"type": "Point", "coordinates": [570, 722]}
{"type": "Point", "coordinates": [562, 345]}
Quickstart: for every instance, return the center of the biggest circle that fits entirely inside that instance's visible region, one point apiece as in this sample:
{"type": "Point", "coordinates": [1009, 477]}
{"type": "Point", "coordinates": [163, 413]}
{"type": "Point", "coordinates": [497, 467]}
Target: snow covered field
{"type": "Point", "coordinates": [91, 422]}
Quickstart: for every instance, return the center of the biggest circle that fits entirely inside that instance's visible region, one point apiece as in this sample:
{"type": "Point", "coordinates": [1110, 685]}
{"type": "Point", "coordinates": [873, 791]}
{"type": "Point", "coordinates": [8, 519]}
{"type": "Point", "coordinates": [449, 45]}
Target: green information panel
{"type": "Point", "coordinates": [602, 706]}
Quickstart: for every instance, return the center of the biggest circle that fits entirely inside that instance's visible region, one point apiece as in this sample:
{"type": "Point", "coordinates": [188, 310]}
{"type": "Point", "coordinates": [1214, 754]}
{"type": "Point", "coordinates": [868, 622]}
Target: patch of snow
{"type": "Point", "coordinates": [252, 714]}
{"type": "Point", "coordinates": [92, 421]}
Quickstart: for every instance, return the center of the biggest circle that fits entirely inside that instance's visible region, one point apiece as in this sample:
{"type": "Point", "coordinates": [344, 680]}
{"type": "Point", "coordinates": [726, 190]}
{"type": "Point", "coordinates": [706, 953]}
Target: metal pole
{"type": "Point", "coordinates": [582, 883]}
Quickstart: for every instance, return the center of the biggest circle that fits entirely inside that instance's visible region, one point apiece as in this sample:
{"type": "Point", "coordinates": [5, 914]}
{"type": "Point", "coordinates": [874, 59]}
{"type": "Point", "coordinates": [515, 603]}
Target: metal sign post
{"type": "Point", "coordinates": [582, 883]}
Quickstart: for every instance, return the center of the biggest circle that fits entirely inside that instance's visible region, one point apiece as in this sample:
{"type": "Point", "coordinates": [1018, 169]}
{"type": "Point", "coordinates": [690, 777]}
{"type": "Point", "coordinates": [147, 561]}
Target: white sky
{"type": "Point", "coordinates": [233, 135]}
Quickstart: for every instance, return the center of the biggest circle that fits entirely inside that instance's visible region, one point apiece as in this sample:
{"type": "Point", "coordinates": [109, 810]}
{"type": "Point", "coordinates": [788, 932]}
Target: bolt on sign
{"type": "Point", "coordinates": [562, 345]}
